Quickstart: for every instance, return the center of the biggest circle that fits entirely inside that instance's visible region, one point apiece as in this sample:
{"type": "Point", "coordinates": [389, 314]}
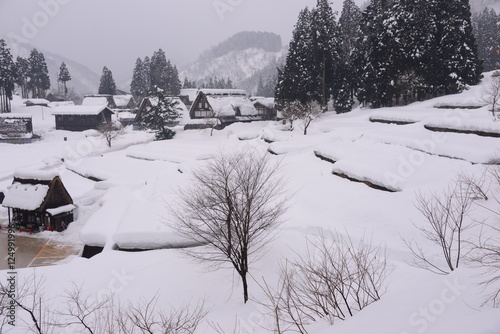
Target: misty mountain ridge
{"type": "Point", "coordinates": [243, 58]}
{"type": "Point", "coordinates": [83, 80]}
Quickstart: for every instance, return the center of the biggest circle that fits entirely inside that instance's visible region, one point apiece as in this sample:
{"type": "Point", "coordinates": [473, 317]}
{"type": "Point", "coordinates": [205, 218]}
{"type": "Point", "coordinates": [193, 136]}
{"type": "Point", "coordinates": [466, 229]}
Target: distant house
{"type": "Point", "coordinates": [226, 105]}
{"type": "Point", "coordinates": [188, 95]}
{"type": "Point", "coordinates": [99, 100]}
{"type": "Point", "coordinates": [124, 102]}
{"type": "Point", "coordinates": [38, 200]}
{"type": "Point", "coordinates": [265, 107]}
{"type": "Point", "coordinates": [16, 126]}
{"type": "Point", "coordinates": [36, 102]}
{"type": "Point", "coordinates": [81, 118]}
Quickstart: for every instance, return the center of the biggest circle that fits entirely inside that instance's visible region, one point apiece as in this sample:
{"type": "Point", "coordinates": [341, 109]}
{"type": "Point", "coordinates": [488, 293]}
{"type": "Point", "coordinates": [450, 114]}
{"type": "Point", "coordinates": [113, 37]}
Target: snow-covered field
{"type": "Point", "coordinates": [139, 178]}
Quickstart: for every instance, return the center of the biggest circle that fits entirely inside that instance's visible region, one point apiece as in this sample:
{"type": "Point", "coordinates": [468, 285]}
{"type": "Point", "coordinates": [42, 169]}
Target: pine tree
{"type": "Point", "coordinates": [158, 69]}
{"type": "Point", "coordinates": [64, 77]}
{"type": "Point", "coordinates": [38, 74]}
{"type": "Point", "coordinates": [139, 86]}
{"type": "Point", "coordinates": [147, 73]}
{"type": "Point", "coordinates": [22, 70]}
{"type": "Point", "coordinates": [260, 87]}
{"type": "Point", "coordinates": [107, 84]}
{"type": "Point", "coordinates": [7, 77]}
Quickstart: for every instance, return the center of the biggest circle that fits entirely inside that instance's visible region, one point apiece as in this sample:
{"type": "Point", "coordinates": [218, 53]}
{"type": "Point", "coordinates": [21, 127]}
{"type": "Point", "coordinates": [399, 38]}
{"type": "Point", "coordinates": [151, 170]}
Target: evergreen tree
{"type": "Point", "coordinates": [139, 86]}
{"type": "Point", "coordinates": [158, 69]}
{"type": "Point", "coordinates": [487, 31]}
{"type": "Point", "coordinates": [164, 112]}
{"type": "Point", "coordinates": [64, 77]}
{"type": "Point", "coordinates": [38, 74]}
{"type": "Point", "coordinates": [107, 84]}
{"type": "Point", "coordinates": [260, 87]}
{"type": "Point", "coordinates": [22, 70]}
{"type": "Point", "coordinates": [454, 61]}
{"type": "Point", "coordinates": [326, 53]}
{"type": "Point", "coordinates": [295, 80]}
{"type": "Point", "coordinates": [349, 27]}
{"type": "Point", "coordinates": [7, 77]}
{"type": "Point", "coordinates": [147, 73]}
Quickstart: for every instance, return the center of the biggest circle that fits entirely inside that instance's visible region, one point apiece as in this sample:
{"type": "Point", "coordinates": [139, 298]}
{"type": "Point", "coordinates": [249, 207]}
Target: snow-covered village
{"type": "Point", "coordinates": [250, 167]}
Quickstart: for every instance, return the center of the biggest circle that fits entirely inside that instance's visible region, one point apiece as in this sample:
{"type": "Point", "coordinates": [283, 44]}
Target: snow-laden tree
{"type": "Point", "coordinates": [64, 77]}
{"type": "Point", "coordinates": [163, 74]}
{"type": "Point", "coordinates": [325, 52]}
{"type": "Point", "coordinates": [295, 79]}
{"type": "Point", "coordinates": [7, 77]}
{"type": "Point", "coordinates": [139, 85]}
{"type": "Point", "coordinates": [107, 84]}
{"type": "Point", "coordinates": [38, 74]}
{"type": "Point", "coordinates": [164, 111]}
{"type": "Point", "coordinates": [487, 31]}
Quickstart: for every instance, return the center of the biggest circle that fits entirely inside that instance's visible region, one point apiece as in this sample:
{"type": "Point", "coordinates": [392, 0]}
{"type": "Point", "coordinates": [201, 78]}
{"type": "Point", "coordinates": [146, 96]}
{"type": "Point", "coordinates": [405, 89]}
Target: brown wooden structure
{"type": "Point", "coordinates": [81, 118]}
{"type": "Point", "coordinates": [38, 201]}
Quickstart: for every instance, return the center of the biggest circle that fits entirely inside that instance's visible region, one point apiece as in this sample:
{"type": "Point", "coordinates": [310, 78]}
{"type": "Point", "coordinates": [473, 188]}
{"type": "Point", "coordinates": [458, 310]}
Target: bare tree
{"type": "Point", "coordinates": [235, 202]}
{"type": "Point", "coordinates": [110, 131]}
{"type": "Point", "coordinates": [485, 251]}
{"type": "Point", "coordinates": [491, 93]}
{"type": "Point", "coordinates": [307, 112]}
{"type": "Point", "coordinates": [333, 280]}
{"type": "Point", "coordinates": [445, 215]}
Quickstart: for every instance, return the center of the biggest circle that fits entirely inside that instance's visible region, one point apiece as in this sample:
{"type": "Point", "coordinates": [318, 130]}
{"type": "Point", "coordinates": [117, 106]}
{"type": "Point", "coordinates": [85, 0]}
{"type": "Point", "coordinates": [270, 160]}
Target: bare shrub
{"type": "Point", "coordinates": [307, 112]}
{"type": "Point", "coordinates": [445, 220]}
{"type": "Point", "coordinates": [110, 131]}
{"type": "Point", "coordinates": [491, 94]}
{"type": "Point", "coordinates": [233, 206]}
{"type": "Point", "coordinates": [333, 280]}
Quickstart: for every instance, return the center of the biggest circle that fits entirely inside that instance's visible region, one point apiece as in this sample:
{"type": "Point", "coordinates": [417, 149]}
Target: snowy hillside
{"type": "Point", "coordinates": [356, 173]}
{"type": "Point", "coordinates": [83, 80]}
{"type": "Point", "coordinates": [241, 61]}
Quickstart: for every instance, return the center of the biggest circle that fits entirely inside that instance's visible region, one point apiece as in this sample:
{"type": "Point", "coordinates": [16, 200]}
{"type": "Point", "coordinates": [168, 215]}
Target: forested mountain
{"type": "Point", "coordinates": [243, 58]}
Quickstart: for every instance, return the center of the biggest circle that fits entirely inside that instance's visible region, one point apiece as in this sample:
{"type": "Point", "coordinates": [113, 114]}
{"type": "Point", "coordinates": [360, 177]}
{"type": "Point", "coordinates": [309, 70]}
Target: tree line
{"type": "Point", "coordinates": [393, 52]}
{"type": "Point", "coordinates": [152, 73]}
{"type": "Point", "coordinates": [30, 74]}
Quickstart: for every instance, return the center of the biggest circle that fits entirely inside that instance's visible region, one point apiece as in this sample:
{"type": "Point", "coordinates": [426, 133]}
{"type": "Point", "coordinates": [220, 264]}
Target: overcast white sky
{"type": "Point", "coordinates": [115, 32]}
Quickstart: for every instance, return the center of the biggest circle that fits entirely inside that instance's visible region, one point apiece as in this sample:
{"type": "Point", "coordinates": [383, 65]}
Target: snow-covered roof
{"type": "Point", "coordinates": [268, 102]}
{"type": "Point", "coordinates": [40, 175]}
{"type": "Point", "coordinates": [223, 92]}
{"type": "Point", "coordinates": [189, 92]}
{"type": "Point", "coordinates": [122, 100]}
{"type": "Point", "coordinates": [61, 209]}
{"type": "Point", "coordinates": [225, 105]}
{"type": "Point", "coordinates": [36, 101]}
{"type": "Point", "coordinates": [79, 110]}
{"type": "Point", "coordinates": [25, 196]}
{"type": "Point", "coordinates": [95, 101]}
{"type": "Point", "coordinates": [11, 115]}
{"type": "Point", "coordinates": [56, 104]}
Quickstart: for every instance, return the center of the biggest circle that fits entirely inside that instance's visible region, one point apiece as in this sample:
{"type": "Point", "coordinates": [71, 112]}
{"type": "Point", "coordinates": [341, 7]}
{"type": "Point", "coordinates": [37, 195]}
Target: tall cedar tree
{"type": "Point", "coordinates": [487, 31]}
{"type": "Point", "coordinates": [326, 53]}
{"type": "Point", "coordinates": [38, 74]}
{"type": "Point", "coordinates": [349, 27]}
{"type": "Point", "coordinates": [163, 74]}
{"type": "Point", "coordinates": [22, 69]}
{"type": "Point", "coordinates": [295, 81]}
{"type": "Point", "coordinates": [107, 84]}
{"type": "Point", "coordinates": [454, 60]}
{"type": "Point", "coordinates": [139, 84]}
{"type": "Point", "coordinates": [64, 77]}
{"type": "Point", "coordinates": [7, 77]}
